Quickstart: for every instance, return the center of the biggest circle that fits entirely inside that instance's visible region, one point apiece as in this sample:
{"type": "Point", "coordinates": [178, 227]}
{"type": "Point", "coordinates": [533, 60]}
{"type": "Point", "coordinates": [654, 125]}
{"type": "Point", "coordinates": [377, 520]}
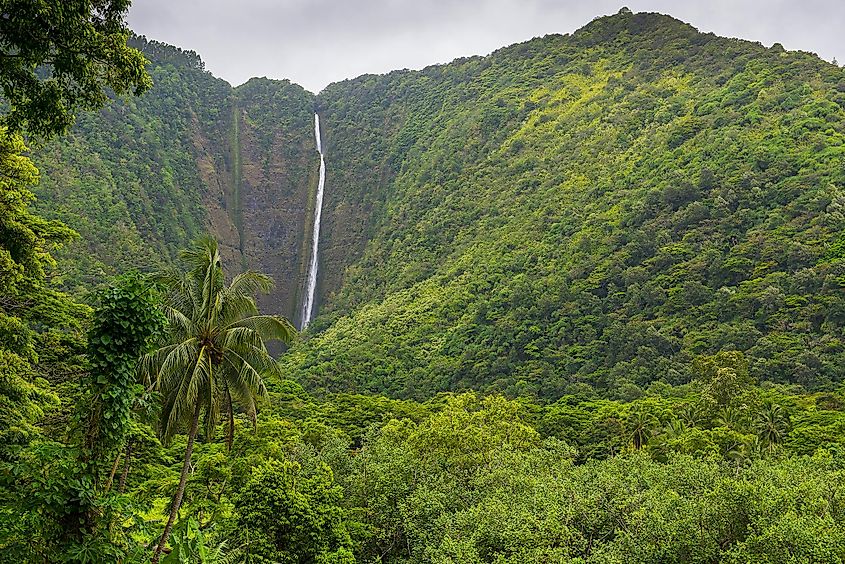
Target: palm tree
{"type": "Point", "coordinates": [674, 428]}
{"type": "Point", "coordinates": [733, 418]}
{"type": "Point", "coordinates": [772, 425]}
{"type": "Point", "coordinates": [214, 351]}
{"type": "Point", "coordinates": [640, 426]}
{"type": "Point", "coordinates": [690, 414]}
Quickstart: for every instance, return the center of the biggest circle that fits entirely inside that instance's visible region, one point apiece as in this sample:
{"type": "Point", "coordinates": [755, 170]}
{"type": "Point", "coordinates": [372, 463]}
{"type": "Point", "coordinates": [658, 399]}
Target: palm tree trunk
{"type": "Point", "coordinates": [180, 491]}
{"type": "Point", "coordinates": [127, 457]}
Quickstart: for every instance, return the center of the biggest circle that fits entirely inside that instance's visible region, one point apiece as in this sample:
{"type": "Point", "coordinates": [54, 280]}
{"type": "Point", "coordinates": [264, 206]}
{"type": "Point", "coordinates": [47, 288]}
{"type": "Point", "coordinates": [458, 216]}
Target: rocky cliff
{"type": "Point", "coordinates": [142, 177]}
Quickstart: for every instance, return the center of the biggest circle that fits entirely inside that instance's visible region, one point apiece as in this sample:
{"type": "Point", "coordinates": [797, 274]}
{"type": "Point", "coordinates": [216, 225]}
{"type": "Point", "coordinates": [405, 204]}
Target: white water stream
{"type": "Point", "coordinates": [311, 282]}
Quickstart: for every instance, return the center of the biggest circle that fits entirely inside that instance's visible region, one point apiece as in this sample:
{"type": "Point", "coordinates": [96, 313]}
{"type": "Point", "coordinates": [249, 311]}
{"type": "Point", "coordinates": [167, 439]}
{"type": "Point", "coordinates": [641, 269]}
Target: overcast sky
{"type": "Point", "coordinates": [315, 42]}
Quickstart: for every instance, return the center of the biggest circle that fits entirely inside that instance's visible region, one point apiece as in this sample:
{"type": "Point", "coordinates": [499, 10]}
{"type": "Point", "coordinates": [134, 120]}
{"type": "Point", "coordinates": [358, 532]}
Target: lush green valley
{"type": "Point", "coordinates": [581, 300]}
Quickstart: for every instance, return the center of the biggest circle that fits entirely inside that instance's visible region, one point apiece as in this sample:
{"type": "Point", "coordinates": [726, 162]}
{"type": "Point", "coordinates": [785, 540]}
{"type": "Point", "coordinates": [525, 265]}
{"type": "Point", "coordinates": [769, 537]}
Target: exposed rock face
{"type": "Point", "coordinates": [258, 171]}
{"type": "Point", "coordinates": [278, 166]}
{"type": "Point", "coordinates": [144, 176]}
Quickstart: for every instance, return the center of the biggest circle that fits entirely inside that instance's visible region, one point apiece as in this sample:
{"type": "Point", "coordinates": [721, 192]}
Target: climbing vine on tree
{"type": "Point", "coordinates": [126, 320]}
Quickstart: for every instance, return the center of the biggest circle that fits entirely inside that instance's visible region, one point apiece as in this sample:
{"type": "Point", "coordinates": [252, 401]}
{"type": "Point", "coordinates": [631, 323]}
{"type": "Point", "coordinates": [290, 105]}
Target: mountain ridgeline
{"type": "Point", "coordinates": [595, 210]}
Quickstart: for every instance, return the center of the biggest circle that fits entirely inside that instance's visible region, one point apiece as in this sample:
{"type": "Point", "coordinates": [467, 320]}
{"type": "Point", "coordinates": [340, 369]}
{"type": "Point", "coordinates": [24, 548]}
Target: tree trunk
{"type": "Point", "coordinates": [113, 470]}
{"type": "Point", "coordinates": [230, 437]}
{"type": "Point", "coordinates": [127, 457]}
{"type": "Point", "coordinates": [180, 491]}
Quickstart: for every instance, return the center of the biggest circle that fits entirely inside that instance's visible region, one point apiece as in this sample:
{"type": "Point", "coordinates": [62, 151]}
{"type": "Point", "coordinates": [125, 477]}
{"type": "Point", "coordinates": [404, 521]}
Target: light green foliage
{"type": "Point", "coordinates": [190, 546]}
{"type": "Point", "coordinates": [428, 499]}
{"type": "Point", "coordinates": [23, 399]}
{"type": "Point", "coordinates": [35, 321]}
{"type": "Point", "coordinates": [409, 475]}
{"type": "Point", "coordinates": [600, 208]}
{"type": "Point", "coordinates": [725, 377]}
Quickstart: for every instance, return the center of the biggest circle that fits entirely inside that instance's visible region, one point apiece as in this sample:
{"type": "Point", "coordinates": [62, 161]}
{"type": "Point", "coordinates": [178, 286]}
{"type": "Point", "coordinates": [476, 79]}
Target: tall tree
{"type": "Point", "coordinates": [57, 56]}
{"type": "Point", "coordinates": [639, 427]}
{"type": "Point", "coordinates": [214, 351]}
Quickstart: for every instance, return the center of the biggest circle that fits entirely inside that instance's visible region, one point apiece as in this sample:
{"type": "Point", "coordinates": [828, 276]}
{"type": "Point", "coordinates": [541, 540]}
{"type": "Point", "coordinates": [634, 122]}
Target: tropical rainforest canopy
{"type": "Point", "coordinates": [581, 300]}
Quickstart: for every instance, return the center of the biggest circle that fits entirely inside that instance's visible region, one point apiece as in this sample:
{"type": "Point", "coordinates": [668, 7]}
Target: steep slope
{"type": "Point", "coordinates": [593, 209]}
{"type": "Point", "coordinates": [141, 178]}
{"type": "Point", "coordinates": [277, 173]}
{"type": "Point", "coordinates": [126, 177]}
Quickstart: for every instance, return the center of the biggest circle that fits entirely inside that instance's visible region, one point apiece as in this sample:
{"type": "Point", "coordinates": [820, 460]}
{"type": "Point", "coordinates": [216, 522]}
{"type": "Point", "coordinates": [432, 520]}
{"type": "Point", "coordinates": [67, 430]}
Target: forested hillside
{"type": "Point", "coordinates": [596, 209]}
{"type": "Point", "coordinates": [143, 176]}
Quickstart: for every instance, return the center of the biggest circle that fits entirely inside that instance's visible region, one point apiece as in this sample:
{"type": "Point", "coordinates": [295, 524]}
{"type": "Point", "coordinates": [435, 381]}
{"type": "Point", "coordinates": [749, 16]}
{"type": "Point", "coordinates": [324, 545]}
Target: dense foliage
{"type": "Point", "coordinates": [599, 209]}
{"type": "Point", "coordinates": [144, 176]}
{"type": "Point", "coordinates": [59, 56]}
{"type": "Point", "coordinates": [627, 241]}
{"type": "Point", "coordinates": [126, 177]}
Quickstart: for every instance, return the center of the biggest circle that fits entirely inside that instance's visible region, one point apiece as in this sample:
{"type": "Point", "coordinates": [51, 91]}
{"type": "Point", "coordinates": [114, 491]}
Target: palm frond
{"type": "Point", "coordinates": [247, 375]}
{"type": "Point", "coordinates": [179, 322]}
{"type": "Point", "coordinates": [268, 327]}
{"type": "Point", "coordinates": [250, 283]}
{"type": "Point", "coordinates": [237, 307]}
{"type": "Point", "coordinates": [212, 392]}
{"type": "Point", "coordinates": [177, 362]}
{"type": "Point", "coordinates": [150, 363]}
{"type": "Point", "coordinates": [216, 340]}
{"type": "Point", "coordinates": [244, 397]}
{"type": "Point", "coordinates": [181, 400]}
{"type": "Point", "coordinates": [241, 337]}
{"type": "Point", "coordinates": [179, 291]}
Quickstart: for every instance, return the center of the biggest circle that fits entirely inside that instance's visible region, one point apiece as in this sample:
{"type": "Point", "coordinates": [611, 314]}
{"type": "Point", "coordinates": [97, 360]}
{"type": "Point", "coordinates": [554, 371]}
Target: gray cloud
{"type": "Point", "coordinates": [315, 42]}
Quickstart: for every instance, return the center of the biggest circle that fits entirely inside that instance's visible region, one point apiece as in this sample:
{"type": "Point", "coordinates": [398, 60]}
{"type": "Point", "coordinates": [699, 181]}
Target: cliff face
{"type": "Point", "coordinates": [144, 176]}
{"type": "Point", "coordinates": [278, 173]}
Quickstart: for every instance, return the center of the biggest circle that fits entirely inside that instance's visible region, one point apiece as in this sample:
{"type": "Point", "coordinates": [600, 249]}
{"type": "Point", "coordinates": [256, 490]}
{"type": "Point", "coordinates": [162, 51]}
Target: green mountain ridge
{"type": "Point", "coordinates": [593, 209]}
{"type": "Point", "coordinates": [588, 210]}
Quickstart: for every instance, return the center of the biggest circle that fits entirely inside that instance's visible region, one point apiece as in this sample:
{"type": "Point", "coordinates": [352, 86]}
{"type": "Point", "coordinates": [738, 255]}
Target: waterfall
{"type": "Point", "coordinates": [311, 281]}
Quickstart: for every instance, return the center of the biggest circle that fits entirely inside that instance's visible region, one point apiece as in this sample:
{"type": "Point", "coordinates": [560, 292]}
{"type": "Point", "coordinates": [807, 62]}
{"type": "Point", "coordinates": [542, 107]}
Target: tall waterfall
{"type": "Point", "coordinates": [311, 282]}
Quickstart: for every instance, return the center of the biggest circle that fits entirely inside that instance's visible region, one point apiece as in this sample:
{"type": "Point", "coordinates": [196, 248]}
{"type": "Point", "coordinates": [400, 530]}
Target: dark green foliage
{"type": "Point", "coordinates": [127, 178]}
{"type": "Point", "coordinates": [59, 56]}
{"type": "Point", "coordinates": [286, 517]}
{"type": "Point", "coordinates": [58, 486]}
{"type": "Point", "coordinates": [56, 57]}
{"type": "Point", "coordinates": [127, 320]}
